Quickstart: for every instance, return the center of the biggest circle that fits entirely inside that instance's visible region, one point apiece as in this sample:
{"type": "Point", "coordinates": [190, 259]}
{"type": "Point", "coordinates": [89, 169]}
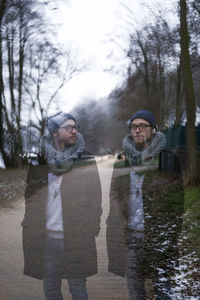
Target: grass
{"type": "Point", "coordinates": [192, 199]}
{"type": "Point", "coordinates": [84, 162]}
{"type": "Point", "coordinates": [192, 216]}
{"type": "Point", "coordinates": [190, 240]}
{"type": "Point", "coordinates": [167, 186]}
{"type": "Point", "coordinates": [119, 164]}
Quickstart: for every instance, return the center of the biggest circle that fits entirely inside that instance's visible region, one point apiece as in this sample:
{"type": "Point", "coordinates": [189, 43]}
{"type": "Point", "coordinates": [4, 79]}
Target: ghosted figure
{"type": "Point", "coordinates": [62, 211]}
{"type": "Point", "coordinates": [145, 220]}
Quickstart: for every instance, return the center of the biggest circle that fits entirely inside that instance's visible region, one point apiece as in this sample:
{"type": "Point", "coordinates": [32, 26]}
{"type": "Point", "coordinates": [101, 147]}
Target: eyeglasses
{"type": "Point", "coordinates": [140, 126]}
{"type": "Point", "coordinates": [69, 128]}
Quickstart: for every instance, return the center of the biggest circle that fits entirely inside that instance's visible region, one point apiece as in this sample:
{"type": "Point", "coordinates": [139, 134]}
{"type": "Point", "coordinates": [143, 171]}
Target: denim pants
{"type": "Point", "coordinates": [54, 250]}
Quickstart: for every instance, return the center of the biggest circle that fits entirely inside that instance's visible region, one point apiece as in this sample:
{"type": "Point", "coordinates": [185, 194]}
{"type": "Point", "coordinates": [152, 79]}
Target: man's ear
{"type": "Point", "coordinates": [55, 133]}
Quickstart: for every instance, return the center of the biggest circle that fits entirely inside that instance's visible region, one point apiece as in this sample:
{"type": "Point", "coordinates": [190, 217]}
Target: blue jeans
{"type": "Point", "coordinates": [54, 250]}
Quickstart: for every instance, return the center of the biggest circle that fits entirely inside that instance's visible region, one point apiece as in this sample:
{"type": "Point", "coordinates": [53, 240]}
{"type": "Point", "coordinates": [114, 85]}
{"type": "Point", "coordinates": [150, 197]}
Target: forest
{"type": "Point", "coordinates": [162, 76]}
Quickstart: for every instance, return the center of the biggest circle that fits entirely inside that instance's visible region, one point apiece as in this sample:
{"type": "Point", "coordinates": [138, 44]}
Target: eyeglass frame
{"type": "Point", "coordinates": [69, 128]}
{"type": "Point", "coordinates": [138, 126]}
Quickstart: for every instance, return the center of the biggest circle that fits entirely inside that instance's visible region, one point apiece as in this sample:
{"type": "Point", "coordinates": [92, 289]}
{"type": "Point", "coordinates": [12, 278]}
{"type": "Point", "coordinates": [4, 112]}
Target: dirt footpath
{"type": "Point", "coordinates": [15, 286]}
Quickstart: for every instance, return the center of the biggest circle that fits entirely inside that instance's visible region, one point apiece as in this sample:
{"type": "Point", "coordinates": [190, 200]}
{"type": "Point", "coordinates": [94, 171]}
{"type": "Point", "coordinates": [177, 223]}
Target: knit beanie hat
{"type": "Point", "coordinates": [54, 122]}
{"type": "Point", "coordinates": [146, 115]}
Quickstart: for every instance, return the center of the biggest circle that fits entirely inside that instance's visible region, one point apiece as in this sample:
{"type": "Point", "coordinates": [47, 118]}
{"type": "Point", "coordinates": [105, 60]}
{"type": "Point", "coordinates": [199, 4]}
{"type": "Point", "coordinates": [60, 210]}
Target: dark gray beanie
{"type": "Point", "coordinates": [54, 122]}
{"type": "Point", "coordinates": [146, 115]}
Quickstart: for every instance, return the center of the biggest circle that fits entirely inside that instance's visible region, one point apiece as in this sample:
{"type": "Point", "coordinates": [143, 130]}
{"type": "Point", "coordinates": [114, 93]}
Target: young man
{"type": "Point", "coordinates": [143, 209]}
{"type": "Point", "coordinates": [62, 212]}
{"type": "Point", "coordinates": [144, 143]}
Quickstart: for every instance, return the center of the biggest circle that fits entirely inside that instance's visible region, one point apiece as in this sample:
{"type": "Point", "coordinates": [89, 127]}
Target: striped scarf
{"type": "Point", "coordinates": [61, 161]}
{"type": "Point", "coordinates": [135, 157]}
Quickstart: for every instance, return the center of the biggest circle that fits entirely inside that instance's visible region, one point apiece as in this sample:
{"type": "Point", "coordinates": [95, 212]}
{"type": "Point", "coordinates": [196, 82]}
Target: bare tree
{"type": "Point", "coordinates": [193, 166]}
{"type": "Point", "coordinates": [152, 76]}
{"type": "Point", "coordinates": [101, 131]}
{"type": "Point", "coordinates": [50, 69]}
{"type": "Point", "coordinates": [27, 62]}
{"type": "Point", "coordinates": [179, 96]}
{"type": "Point", "coordinates": [2, 13]}
{"type": "Point", "coordinates": [18, 24]}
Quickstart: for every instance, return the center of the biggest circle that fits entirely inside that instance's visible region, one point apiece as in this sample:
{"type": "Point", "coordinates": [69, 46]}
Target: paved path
{"type": "Point", "coordinates": [15, 286]}
{"type": "Point", "coordinates": [105, 286]}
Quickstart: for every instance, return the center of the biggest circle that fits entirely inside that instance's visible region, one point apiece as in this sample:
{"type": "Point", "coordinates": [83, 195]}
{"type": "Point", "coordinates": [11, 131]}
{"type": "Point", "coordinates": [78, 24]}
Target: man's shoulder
{"type": "Point", "coordinates": [86, 155]}
{"type": "Point", "coordinates": [86, 158]}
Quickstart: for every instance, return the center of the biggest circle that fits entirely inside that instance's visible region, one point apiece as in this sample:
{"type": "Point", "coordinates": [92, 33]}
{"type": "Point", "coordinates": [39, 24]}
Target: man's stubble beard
{"type": "Point", "coordinates": [71, 142]}
{"type": "Point", "coordinates": [142, 145]}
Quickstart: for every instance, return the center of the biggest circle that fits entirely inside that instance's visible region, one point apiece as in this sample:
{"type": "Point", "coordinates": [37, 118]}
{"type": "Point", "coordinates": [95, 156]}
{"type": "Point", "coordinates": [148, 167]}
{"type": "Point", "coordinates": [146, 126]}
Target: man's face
{"type": "Point", "coordinates": [142, 132]}
{"type": "Point", "coordinates": [66, 134]}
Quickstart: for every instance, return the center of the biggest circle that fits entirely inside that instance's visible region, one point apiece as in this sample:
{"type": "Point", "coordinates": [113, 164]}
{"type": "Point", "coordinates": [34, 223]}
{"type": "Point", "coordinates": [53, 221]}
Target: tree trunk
{"type": "Point", "coordinates": [178, 96]}
{"type": "Point", "coordinates": [146, 67]}
{"type": "Point", "coordinates": [192, 176]}
{"type": "Point", "coordinates": [22, 42]}
{"type": "Point", "coordinates": [1, 93]}
{"type": "Point", "coordinates": [2, 11]}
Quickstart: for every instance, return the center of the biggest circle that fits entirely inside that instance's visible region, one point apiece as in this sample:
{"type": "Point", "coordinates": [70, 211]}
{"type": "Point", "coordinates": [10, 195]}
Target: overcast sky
{"type": "Point", "coordinates": [89, 27]}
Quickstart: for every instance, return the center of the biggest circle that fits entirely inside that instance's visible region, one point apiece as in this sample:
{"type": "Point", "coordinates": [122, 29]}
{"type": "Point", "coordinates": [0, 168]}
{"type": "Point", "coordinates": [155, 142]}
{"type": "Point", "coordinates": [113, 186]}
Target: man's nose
{"type": "Point", "coordinates": [137, 129]}
{"type": "Point", "coordinates": [74, 129]}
